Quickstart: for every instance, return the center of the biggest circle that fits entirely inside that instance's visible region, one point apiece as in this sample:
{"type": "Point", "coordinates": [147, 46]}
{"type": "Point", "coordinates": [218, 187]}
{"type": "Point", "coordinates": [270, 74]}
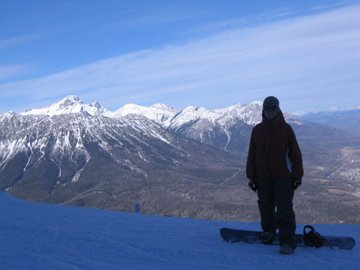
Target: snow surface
{"type": "Point", "coordinates": [42, 236]}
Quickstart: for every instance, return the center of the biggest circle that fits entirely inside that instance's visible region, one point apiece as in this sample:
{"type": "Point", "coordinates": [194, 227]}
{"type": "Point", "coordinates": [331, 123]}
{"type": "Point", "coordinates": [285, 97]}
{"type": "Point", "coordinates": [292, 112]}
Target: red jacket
{"type": "Point", "coordinates": [274, 151]}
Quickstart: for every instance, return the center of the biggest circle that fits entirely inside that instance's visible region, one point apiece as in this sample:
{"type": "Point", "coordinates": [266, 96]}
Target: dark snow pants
{"type": "Point", "coordinates": [275, 200]}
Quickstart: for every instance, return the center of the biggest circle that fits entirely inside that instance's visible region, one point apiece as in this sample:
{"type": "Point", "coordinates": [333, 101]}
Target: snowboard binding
{"type": "Point", "coordinates": [312, 238]}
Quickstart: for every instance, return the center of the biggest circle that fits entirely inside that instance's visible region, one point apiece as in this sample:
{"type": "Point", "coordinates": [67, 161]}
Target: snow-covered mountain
{"type": "Point", "coordinates": [170, 117]}
{"type": "Point", "coordinates": [69, 105]}
{"type": "Point", "coordinates": [71, 152]}
{"type": "Point", "coordinates": [217, 127]}
{"type": "Point", "coordinates": [343, 119]}
{"type": "Point", "coordinates": [61, 132]}
{"type": "Point", "coordinates": [227, 129]}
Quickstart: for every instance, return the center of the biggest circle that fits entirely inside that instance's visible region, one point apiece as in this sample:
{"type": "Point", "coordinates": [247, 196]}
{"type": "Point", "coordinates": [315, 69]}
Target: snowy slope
{"type": "Point", "coordinates": [41, 236]}
{"type": "Point", "coordinates": [158, 112]}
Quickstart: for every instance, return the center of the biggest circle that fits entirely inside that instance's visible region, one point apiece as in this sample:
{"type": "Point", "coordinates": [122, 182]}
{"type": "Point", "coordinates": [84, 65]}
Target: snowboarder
{"type": "Point", "coordinates": [274, 168]}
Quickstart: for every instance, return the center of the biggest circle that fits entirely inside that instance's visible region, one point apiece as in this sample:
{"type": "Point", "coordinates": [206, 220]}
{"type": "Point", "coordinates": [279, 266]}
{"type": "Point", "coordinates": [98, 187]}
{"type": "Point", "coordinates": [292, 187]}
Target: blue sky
{"type": "Point", "coordinates": [202, 53]}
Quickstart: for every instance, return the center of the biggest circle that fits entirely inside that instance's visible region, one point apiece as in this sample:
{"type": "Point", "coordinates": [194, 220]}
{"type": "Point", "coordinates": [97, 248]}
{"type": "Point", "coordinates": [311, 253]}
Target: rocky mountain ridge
{"type": "Point", "coordinates": [343, 119]}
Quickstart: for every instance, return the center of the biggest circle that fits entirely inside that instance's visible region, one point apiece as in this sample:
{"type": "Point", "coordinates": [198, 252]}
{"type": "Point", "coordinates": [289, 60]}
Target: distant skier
{"type": "Point", "coordinates": [274, 168]}
{"type": "Point", "coordinates": [137, 208]}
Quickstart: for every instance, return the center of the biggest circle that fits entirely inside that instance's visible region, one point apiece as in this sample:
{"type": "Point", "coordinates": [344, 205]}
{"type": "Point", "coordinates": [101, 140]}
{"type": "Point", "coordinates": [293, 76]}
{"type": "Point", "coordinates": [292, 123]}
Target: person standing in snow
{"type": "Point", "coordinates": [274, 169]}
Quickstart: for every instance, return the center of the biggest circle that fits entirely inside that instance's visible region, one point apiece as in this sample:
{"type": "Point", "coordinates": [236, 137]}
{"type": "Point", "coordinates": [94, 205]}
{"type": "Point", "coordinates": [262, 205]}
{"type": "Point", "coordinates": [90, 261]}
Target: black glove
{"type": "Point", "coordinates": [253, 185]}
{"type": "Point", "coordinates": [296, 183]}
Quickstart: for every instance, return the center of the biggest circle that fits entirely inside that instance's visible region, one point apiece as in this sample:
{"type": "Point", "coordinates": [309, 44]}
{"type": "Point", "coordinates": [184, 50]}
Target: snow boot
{"type": "Point", "coordinates": [267, 238]}
{"type": "Point", "coordinates": [287, 249]}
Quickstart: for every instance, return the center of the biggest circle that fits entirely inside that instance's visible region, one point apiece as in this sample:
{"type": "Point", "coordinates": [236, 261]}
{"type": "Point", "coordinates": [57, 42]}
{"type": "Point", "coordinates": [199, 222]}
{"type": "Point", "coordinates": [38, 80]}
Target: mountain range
{"type": "Point", "coordinates": [342, 119]}
{"type": "Point", "coordinates": [187, 162]}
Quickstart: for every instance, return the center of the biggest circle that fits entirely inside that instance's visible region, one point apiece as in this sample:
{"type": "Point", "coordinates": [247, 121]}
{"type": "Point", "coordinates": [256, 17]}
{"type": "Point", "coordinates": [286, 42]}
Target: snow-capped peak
{"type": "Point", "coordinates": [170, 117]}
{"type": "Point", "coordinates": [68, 105]}
{"type": "Point", "coordinates": [157, 112]}
{"type": "Point", "coordinates": [162, 106]}
{"type": "Point", "coordinates": [160, 113]}
{"type": "Point", "coordinates": [250, 114]}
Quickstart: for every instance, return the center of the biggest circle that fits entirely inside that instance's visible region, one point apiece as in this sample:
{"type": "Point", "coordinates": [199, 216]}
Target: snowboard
{"type": "Point", "coordinates": [253, 237]}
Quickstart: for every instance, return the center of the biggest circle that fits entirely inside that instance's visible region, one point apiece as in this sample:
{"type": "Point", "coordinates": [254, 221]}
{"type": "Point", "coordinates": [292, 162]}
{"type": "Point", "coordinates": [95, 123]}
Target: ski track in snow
{"type": "Point", "coordinates": [41, 236]}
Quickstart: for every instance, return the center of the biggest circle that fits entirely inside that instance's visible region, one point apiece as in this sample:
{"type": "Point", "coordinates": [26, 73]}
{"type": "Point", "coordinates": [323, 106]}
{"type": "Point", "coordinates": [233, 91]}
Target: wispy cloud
{"type": "Point", "coordinates": [169, 14]}
{"type": "Point", "coordinates": [17, 40]}
{"type": "Point", "coordinates": [10, 71]}
{"type": "Point", "coordinates": [243, 22]}
{"type": "Point", "coordinates": [302, 58]}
